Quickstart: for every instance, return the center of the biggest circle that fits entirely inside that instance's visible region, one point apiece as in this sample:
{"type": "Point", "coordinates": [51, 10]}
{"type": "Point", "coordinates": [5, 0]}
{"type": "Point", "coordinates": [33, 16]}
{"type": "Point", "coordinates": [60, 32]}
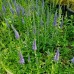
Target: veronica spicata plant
{"type": "Point", "coordinates": [56, 57]}
{"type": "Point", "coordinates": [22, 61]}
{"type": "Point", "coordinates": [17, 36]}
{"type": "Point", "coordinates": [55, 18]}
{"type": "Point", "coordinates": [61, 22]}
{"type": "Point", "coordinates": [72, 60]}
{"type": "Point", "coordinates": [34, 45]}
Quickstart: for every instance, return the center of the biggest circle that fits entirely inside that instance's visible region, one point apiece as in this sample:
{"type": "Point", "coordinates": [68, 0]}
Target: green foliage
{"type": "Point", "coordinates": [35, 23]}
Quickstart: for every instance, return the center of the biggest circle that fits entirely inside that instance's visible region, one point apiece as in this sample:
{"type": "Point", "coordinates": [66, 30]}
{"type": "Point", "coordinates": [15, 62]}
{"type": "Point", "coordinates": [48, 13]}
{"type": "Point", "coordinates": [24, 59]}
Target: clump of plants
{"type": "Point", "coordinates": [35, 40]}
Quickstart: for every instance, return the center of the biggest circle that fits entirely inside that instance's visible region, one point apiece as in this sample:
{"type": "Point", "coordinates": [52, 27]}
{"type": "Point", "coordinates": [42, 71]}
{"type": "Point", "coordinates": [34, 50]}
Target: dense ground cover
{"type": "Point", "coordinates": [35, 39]}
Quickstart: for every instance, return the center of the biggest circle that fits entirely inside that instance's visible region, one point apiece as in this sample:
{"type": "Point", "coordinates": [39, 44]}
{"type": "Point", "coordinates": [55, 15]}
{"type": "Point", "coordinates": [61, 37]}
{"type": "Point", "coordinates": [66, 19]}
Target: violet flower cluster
{"type": "Point", "coordinates": [34, 45]}
{"type": "Point", "coordinates": [22, 61]}
{"type": "Point", "coordinates": [55, 19]}
{"type": "Point", "coordinates": [72, 60]}
{"type": "Point", "coordinates": [56, 57]}
{"type": "Point", "coordinates": [17, 36]}
{"type": "Point", "coordinates": [61, 23]}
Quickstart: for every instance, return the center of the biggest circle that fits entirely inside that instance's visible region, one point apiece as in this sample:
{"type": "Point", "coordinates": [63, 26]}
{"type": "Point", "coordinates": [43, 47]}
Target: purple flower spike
{"type": "Point", "coordinates": [11, 9]}
{"type": "Point", "coordinates": [61, 23]}
{"type": "Point", "coordinates": [17, 36]}
{"type": "Point", "coordinates": [22, 61]}
{"type": "Point", "coordinates": [72, 60]}
{"type": "Point", "coordinates": [23, 11]}
{"type": "Point", "coordinates": [34, 45]}
{"type": "Point", "coordinates": [17, 7]}
{"type": "Point", "coordinates": [55, 19]}
{"type": "Point", "coordinates": [3, 8]}
{"type": "Point", "coordinates": [56, 57]}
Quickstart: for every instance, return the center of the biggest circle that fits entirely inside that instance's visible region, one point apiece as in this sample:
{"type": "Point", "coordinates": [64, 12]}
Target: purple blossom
{"type": "Point", "coordinates": [17, 36]}
{"type": "Point", "coordinates": [18, 10]}
{"type": "Point", "coordinates": [23, 11]}
{"type": "Point", "coordinates": [22, 61]}
{"type": "Point", "coordinates": [36, 3]}
{"type": "Point", "coordinates": [72, 60]}
{"type": "Point", "coordinates": [34, 45]}
{"type": "Point", "coordinates": [56, 57]}
{"type": "Point", "coordinates": [11, 9]}
{"type": "Point", "coordinates": [55, 19]}
{"type": "Point", "coordinates": [3, 8]}
{"type": "Point", "coordinates": [61, 23]}
{"type": "Point", "coordinates": [43, 4]}
{"type": "Point", "coordinates": [17, 7]}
